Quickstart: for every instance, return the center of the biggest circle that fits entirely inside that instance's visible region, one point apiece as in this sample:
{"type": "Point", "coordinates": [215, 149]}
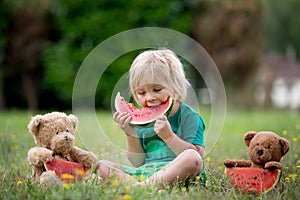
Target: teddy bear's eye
{"type": "Point", "coordinates": [56, 132]}
{"type": "Point", "coordinates": [257, 144]}
{"type": "Point", "coordinates": [67, 130]}
{"type": "Point", "coordinates": [269, 146]}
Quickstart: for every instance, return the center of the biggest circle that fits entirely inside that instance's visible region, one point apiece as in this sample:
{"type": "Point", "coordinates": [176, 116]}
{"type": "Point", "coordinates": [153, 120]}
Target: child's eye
{"type": "Point", "coordinates": [141, 93]}
{"type": "Point", "coordinates": [157, 89]}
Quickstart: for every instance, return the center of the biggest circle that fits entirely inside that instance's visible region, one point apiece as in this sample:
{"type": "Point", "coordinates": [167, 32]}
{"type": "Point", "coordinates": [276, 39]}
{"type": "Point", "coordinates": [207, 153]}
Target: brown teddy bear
{"type": "Point", "coordinates": [53, 134]}
{"type": "Point", "coordinates": [265, 151]}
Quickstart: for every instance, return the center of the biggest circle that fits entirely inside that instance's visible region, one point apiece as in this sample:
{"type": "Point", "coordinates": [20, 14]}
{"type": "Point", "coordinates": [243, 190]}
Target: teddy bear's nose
{"type": "Point", "coordinates": [260, 152]}
{"type": "Point", "coordinates": [66, 138]}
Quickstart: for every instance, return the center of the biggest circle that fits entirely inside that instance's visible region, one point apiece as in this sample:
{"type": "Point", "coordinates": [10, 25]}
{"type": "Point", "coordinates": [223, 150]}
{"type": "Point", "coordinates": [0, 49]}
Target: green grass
{"type": "Point", "coordinates": [15, 172]}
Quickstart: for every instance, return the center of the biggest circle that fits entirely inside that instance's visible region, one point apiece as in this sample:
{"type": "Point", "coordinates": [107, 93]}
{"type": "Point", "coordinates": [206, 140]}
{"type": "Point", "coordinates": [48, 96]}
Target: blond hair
{"type": "Point", "coordinates": [162, 67]}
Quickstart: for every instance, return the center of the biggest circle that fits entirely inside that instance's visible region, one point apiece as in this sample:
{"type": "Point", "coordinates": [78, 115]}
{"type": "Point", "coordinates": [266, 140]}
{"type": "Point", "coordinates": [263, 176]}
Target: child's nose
{"type": "Point", "coordinates": [150, 97]}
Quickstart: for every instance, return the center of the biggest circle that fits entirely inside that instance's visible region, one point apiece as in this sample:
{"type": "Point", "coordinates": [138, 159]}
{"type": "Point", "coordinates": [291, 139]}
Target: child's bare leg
{"type": "Point", "coordinates": [187, 164]}
{"type": "Point", "coordinates": [107, 169]}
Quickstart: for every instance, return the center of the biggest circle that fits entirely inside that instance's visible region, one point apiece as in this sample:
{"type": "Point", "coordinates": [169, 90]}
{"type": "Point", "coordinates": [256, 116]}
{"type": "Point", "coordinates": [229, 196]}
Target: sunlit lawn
{"type": "Point", "coordinates": [15, 171]}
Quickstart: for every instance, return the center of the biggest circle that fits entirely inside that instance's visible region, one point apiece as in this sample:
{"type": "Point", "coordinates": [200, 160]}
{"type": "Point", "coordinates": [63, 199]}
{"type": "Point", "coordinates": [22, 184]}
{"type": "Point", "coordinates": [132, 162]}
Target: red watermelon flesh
{"type": "Point", "coordinates": [253, 179]}
{"type": "Point", "coordinates": [67, 171]}
{"type": "Point", "coordinates": [144, 115]}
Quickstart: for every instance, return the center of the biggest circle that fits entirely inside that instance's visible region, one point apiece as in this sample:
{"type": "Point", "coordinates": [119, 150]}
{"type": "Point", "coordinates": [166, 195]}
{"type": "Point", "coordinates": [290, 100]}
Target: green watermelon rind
{"type": "Point", "coordinates": [242, 171]}
{"type": "Point", "coordinates": [148, 122]}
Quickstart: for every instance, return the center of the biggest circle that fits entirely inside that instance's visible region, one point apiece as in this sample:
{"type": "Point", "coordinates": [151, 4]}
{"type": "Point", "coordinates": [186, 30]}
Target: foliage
{"type": "Point", "coordinates": [282, 26]}
{"type": "Point", "coordinates": [17, 184]}
{"type": "Point", "coordinates": [3, 24]}
{"type": "Point", "coordinates": [82, 25]}
{"type": "Point", "coordinates": [231, 31]}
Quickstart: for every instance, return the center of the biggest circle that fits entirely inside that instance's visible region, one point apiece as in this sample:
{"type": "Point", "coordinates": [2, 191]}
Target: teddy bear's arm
{"type": "Point", "coordinates": [86, 158]}
{"type": "Point", "coordinates": [38, 155]}
{"type": "Point", "coordinates": [272, 165]}
{"type": "Point", "coordinates": [237, 163]}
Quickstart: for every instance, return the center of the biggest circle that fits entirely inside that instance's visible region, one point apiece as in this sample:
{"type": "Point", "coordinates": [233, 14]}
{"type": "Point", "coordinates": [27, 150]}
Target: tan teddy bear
{"type": "Point", "coordinates": [265, 151]}
{"type": "Point", "coordinates": [53, 134]}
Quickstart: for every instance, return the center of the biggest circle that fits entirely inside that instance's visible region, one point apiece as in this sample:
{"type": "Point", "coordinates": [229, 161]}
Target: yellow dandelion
{"type": "Point", "coordinates": [298, 166]}
{"type": "Point", "coordinates": [296, 156]}
{"type": "Point", "coordinates": [294, 139]}
{"type": "Point", "coordinates": [80, 172]}
{"type": "Point", "coordinates": [66, 185]}
{"type": "Point", "coordinates": [298, 161]}
{"type": "Point", "coordinates": [67, 176]}
{"type": "Point", "coordinates": [197, 178]}
{"type": "Point", "coordinates": [293, 176]}
{"type": "Point", "coordinates": [141, 177]}
{"type": "Point", "coordinates": [284, 132]}
{"type": "Point", "coordinates": [183, 189]}
{"type": "Point", "coordinates": [19, 182]}
{"type": "Point", "coordinates": [16, 146]}
{"type": "Point", "coordinates": [114, 190]}
{"type": "Point", "coordinates": [127, 197]}
{"type": "Point", "coordinates": [115, 182]}
{"type": "Point", "coordinates": [208, 159]}
{"type": "Point", "coordinates": [127, 188]}
{"type": "Point", "coordinates": [287, 179]}
{"type": "Point", "coordinates": [220, 168]}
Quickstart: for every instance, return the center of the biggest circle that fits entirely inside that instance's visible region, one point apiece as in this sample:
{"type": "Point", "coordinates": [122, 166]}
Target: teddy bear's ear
{"type": "Point", "coordinates": [74, 120]}
{"type": "Point", "coordinates": [34, 124]}
{"type": "Point", "coordinates": [285, 146]}
{"type": "Point", "coordinates": [248, 137]}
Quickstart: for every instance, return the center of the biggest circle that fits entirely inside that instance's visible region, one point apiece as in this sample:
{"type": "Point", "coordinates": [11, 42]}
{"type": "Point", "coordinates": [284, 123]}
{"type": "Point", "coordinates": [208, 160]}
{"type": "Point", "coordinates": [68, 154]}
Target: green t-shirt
{"type": "Point", "coordinates": [186, 124]}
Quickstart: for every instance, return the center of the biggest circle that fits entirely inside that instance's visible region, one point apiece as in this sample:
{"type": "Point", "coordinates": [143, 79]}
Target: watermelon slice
{"type": "Point", "coordinates": [253, 179]}
{"type": "Point", "coordinates": [146, 115]}
{"type": "Point", "coordinates": [67, 171]}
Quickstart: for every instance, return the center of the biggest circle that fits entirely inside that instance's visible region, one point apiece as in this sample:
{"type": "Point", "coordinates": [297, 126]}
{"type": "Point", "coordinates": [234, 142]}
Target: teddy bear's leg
{"type": "Point", "coordinates": [49, 178]}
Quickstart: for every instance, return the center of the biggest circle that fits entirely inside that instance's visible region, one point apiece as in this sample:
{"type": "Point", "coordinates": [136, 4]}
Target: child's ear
{"type": "Point", "coordinates": [74, 120]}
{"type": "Point", "coordinates": [248, 137]}
{"type": "Point", "coordinates": [285, 146]}
{"type": "Point", "coordinates": [34, 124]}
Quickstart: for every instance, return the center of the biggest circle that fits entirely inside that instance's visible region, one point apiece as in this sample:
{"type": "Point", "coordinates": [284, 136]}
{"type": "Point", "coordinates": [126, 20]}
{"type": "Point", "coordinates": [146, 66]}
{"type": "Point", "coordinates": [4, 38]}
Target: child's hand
{"type": "Point", "coordinates": [163, 129]}
{"type": "Point", "coordinates": [123, 120]}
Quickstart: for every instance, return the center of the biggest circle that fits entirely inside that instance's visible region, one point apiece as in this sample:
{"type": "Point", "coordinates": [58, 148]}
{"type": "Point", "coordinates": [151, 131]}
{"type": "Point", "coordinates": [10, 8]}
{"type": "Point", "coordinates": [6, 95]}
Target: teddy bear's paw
{"type": "Point", "coordinates": [229, 163]}
{"type": "Point", "coordinates": [49, 178]}
{"type": "Point", "coordinates": [237, 163]}
{"type": "Point", "coordinates": [273, 165]}
{"type": "Point", "coordinates": [38, 155]}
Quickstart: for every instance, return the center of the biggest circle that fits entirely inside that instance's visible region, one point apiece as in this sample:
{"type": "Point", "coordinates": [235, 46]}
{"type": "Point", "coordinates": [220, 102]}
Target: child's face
{"type": "Point", "coordinates": [152, 94]}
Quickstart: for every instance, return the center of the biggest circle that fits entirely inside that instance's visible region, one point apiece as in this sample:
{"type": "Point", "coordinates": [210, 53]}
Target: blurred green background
{"type": "Point", "coordinates": [254, 43]}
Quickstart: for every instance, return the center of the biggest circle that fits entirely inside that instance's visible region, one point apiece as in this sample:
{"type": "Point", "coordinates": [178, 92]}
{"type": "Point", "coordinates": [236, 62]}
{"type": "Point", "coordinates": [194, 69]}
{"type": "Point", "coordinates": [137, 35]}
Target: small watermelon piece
{"type": "Point", "coordinates": [67, 171]}
{"type": "Point", "coordinates": [145, 115]}
{"type": "Point", "coordinates": [253, 179]}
